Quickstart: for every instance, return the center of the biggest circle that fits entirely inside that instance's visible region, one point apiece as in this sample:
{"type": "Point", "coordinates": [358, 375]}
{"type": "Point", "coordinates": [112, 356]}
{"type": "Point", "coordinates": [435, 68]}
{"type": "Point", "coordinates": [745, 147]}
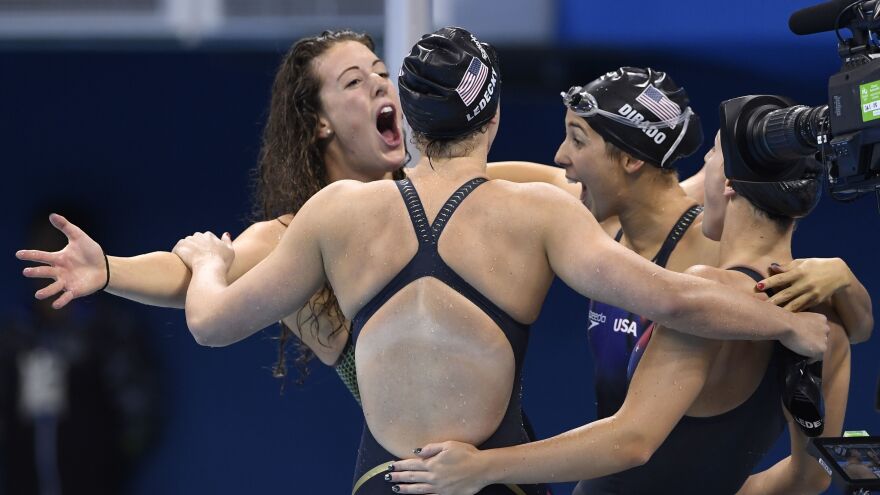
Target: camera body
{"type": "Point", "coordinates": [854, 122]}
{"type": "Point", "coordinates": [769, 134]}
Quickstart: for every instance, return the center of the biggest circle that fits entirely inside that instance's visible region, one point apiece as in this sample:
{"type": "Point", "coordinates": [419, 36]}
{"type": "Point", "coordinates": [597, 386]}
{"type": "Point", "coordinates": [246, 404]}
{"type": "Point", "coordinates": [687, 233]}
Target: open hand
{"type": "Point", "coordinates": [77, 270]}
{"type": "Point", "coordinates": [805, 283]}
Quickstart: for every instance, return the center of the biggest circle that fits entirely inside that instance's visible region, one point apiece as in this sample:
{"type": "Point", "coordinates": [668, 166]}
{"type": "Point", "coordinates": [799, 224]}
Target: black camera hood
{"type": "Point", "coordinates": [738, 115]}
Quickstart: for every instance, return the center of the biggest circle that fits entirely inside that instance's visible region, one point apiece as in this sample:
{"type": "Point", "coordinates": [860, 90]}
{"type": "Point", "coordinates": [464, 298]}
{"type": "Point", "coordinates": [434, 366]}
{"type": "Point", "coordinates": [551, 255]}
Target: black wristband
{"type": "Point", "coordinates": [106, 264]}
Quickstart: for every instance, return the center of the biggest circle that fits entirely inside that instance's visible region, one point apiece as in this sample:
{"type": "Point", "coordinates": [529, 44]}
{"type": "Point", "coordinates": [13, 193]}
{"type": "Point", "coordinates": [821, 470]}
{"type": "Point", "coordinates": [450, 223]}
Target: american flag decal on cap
{"type": "Point", "coordinates": [472, 81]}
{"type": "Point", "coordinates": [655, 101]}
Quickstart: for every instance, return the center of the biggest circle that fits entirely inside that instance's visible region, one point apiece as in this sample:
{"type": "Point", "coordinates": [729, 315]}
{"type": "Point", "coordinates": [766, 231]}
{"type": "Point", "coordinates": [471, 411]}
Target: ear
{"type": "Point", "coordinates": [728, 190]}
{"type": "Point", "coordinates": [632, 165]}
{"type": "Point", "coordinates": [497, 117]}
{"type": "Point", "coordinates": [325, 130]}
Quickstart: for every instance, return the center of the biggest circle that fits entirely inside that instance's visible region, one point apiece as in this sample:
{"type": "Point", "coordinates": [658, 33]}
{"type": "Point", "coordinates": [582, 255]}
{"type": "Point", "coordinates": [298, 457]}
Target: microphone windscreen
{"type": "Point", "coordinates": [818, 18]}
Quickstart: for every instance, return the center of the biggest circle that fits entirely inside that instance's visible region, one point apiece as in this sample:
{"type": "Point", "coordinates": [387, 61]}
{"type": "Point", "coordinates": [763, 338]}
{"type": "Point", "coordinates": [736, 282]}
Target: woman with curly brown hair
{"type": "Point", "coordinates": [334, 115]}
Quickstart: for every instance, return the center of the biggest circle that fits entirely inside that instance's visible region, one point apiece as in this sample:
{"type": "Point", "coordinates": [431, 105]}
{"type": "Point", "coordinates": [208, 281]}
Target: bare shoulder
{"type": "Point", "coordinates": [341, 188]}
{"type": "Point", "coordinates": [536, 202]}
{"type": "Point", "coordinates": [731, 278]}
{"type": "Point", "coordinates": [547, 213]}
{"type": "Point", "coordinates": [534, 192]}
{"type": "Point", "coordinates": [268, 231]}
{"type": "Point", "coordinates": [345, 196]}
{"type": "Point", "coordinates": [335, 196]}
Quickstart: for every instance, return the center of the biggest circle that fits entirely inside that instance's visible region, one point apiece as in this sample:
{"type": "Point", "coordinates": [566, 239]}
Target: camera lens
{"type": "Point", "coordinates": [785, 134]}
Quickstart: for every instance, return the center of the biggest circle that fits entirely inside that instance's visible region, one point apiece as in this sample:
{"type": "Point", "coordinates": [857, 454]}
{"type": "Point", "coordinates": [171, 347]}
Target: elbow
{"type": "Point", "coordinates": [817, 481]}
{"type": "Point", "coordinates": [639, 456]}
{"type": "Point", "coordinates": [820, 485]}
{"type": "Point", "coordinates": [638, 450]}
{"type": "Point", "coordinates": [671, 307]}
{"type": "Point", "coordinates": [863, 332]}
{"type": "Point", "coordinates": [204, 331]}
{"type": "Point", "coordinates": [633, 442]}
{"type": "Point", "coordinates": [810, 479]}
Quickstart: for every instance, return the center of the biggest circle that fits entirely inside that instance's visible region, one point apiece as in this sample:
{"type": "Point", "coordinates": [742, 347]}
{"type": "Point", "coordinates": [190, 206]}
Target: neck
{"type": "Point", "coordinates": [453, 169]}
{"type": "Point", "coordinates": [650, 210]}
{"type": "Point", "coordinates": [749, 240]}
{"type": "Point", "coordinates": [339, 168]}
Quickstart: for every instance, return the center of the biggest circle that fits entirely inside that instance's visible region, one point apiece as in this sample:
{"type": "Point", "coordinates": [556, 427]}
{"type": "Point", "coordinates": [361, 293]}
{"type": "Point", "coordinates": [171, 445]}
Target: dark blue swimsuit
{"type": "Point", "coordinates": [616, 334]}
{"type": "Point", "coordinates": [713, 454]}
{"type": "Point", "coordinates": [372, 458]}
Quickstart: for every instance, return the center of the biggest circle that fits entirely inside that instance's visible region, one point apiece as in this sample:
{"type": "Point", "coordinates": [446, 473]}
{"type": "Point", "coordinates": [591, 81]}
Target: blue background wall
{"type": "Point", "coordinates": [160, 141]}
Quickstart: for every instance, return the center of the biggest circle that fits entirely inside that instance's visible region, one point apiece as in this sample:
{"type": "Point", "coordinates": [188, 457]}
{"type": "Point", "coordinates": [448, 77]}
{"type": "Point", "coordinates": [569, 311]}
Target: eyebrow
{"type": "Point", "coordinates": [377, 61]}
{"type": "Point", "coordinates": [577, 126]}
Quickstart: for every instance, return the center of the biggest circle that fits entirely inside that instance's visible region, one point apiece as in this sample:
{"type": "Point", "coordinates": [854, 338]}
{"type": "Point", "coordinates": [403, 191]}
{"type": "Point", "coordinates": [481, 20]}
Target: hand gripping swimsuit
{"type": "Point", "coordinates": [373, 459]}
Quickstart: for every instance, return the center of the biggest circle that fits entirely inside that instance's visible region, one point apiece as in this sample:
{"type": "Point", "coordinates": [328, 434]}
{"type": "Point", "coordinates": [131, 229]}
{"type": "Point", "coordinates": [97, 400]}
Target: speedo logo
{"type": "Point", "coordinates": [635, 117]}
{"type": "Point", "coordinates": [596, 318]}
{"type": "Point", "coordinates": [487, 95]}
{"type": "Point", "coordinates": [625, 325]}
{"type": "Point", "coordinates": [809, 424]}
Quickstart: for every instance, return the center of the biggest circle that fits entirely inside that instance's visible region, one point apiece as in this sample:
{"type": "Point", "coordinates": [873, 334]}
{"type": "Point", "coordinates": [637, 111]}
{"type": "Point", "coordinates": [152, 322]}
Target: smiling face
{"type": "Point", "coordinates": [585, 159]}
{"type": "Point", "coordinates": [360, 114]}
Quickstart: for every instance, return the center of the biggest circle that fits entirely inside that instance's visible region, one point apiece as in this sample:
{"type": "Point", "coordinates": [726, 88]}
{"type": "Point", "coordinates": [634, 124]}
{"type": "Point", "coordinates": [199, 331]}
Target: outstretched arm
{"type": "Point", "coordinates": [158, 278]}
{"type": "Point", "coordinates": [800, 473]}
{"type": "Point", "coordinates": [805, 283]}
{"type": "Point", "coordinates": [220, 314]}
{"type": "Point", "coordinates": [599, 268]}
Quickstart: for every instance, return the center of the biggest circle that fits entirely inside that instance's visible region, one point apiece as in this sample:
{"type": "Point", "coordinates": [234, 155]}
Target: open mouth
{"type": "Point", "coordinates": [386, 124]}
{"type": "Point", "coordinates": [585, 197]}
{"type": "Point", "coordinates": [583, 187]}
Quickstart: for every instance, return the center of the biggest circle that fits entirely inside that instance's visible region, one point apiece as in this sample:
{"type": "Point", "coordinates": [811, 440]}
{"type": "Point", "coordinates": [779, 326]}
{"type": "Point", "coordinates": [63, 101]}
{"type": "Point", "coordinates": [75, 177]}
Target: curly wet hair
{"type": "Point", "coordinates": [291, 168]}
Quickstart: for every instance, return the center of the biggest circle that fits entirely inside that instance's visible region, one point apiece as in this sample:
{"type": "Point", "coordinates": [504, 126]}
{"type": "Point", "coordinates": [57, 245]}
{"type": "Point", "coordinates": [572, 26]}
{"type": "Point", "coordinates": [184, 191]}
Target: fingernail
{"type": "Point", "coordinates": [395, 489]}
{"type": "Point", "coordinates": [774, 265]}
{"type": "Point", "coordinates": [391, 467]}
{"type": "Point", "coordinates": [760, 286]}
{"type": "Point", "coordinates": [227, 234]}
{"type": "Point", "coordinates": [417, 451]}
{"type": "Point", "coordinates": [388, 477]}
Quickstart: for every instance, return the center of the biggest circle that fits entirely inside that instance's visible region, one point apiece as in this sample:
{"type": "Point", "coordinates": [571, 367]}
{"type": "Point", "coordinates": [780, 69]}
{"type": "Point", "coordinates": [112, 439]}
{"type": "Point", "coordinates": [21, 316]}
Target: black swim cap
{"type": "Point", "coordinates": [450, 84]}
{"type": "Point", "coordinates": [788, 199]}
{"type": "Point", "coordinates": [789, 188]}
{"type": "Point", "coordinates": [640, 97]}
{"type": "Point", "coordinates": [802, 396]}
